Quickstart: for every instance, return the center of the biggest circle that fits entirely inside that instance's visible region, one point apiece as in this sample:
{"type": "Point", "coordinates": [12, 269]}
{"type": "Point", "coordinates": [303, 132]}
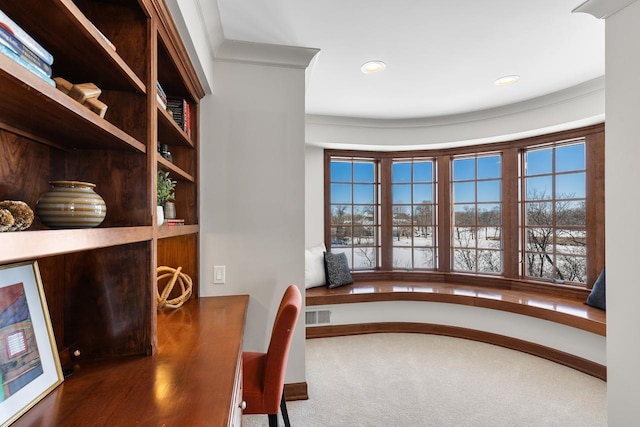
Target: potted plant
{"type": "Point", "coordinates": [165, 195]}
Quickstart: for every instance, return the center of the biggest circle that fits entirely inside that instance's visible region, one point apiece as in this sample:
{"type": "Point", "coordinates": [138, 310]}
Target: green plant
{"type": "Point", "coordinates": [165, 188]}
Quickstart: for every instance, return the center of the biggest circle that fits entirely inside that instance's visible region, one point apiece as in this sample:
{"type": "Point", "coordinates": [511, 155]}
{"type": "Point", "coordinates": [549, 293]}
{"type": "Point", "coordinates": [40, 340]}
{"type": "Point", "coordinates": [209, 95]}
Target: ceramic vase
{"type": "Point", "coordinates": [71, 204]}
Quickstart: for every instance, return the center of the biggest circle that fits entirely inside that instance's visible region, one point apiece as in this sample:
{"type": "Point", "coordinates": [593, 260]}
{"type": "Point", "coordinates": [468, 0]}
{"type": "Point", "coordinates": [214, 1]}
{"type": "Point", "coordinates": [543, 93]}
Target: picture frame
{"type": "Point", "coordinates": [29, 362]}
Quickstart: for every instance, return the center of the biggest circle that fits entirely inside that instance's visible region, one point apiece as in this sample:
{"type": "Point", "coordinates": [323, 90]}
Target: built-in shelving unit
{"type": "Point", "coordinates": [100, 283]}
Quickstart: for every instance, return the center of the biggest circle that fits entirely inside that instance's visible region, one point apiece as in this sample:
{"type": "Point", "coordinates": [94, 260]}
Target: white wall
{"type": "Point", "coordinates": [252, 190]}
{"type": "Point", "coordinates": [314, 196]}
{"type": "Point", "coordinates": [622, 174]}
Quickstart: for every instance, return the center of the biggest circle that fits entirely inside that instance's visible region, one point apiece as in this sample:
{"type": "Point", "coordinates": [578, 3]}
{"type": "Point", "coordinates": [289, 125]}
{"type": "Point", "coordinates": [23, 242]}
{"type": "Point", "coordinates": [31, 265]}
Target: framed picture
{"type": "Point", "coordinates": [29, 363]}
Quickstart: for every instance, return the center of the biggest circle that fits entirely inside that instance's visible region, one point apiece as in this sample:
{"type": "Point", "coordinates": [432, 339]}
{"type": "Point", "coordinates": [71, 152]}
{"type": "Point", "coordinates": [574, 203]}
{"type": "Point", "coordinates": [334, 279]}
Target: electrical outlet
{"type": "Point", "coordinates": [219, 274]}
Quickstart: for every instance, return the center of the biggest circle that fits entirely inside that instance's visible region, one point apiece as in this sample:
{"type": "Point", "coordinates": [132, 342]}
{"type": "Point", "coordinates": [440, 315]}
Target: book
{"type": "Point", "coordinates": [25, 38]}
{"type": "Point", "coordinates": [173, 222]}
{"type": "Point", "coordinates": [179, 109]}
{"type": "Point", "coordinates": [35, 70]}
{"type": "Point", "coordinates": [7, 39]}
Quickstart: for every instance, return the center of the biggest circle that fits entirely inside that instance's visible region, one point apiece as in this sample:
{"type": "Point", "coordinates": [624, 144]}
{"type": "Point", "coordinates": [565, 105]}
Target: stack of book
{"type": "Point", "coordinates": [173, 222]}
{"type": "Point", "coordinates": [23, 49]}
{"type": "Point", "coordinates": [181, 113]}
{"type": "Point", "coordinates": [161, 96]}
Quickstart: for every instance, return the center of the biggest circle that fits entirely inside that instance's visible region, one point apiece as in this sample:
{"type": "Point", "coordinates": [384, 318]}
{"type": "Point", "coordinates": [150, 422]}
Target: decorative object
{"type": "Point", "coordinates": [159, 215]}
{"type": "Point", "coordinates": [71, 204]}
{"type": "Point", "coordinates": [314, 274]}
{"type": "Point", "coordinates": [169, 210]}
{"type": "Point", "coordinates": [176, 276]}
{"type": "Point", "coordinates": [85, 93]}
{"type": "Point", "coordinates": [28, 352]}
{"type": "Point", "coordinates": [598, 296]}
{"type": "Point", "coordinates": [165, 191]}
{"type": "Point", "coordinates": [15, 215]}
{"type": "Point", "coordinates": [337, 269]}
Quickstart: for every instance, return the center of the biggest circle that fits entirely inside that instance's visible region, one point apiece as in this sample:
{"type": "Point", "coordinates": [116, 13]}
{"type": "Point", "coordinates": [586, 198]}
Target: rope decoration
{"type": "Point", "coordinates": [176, 276]}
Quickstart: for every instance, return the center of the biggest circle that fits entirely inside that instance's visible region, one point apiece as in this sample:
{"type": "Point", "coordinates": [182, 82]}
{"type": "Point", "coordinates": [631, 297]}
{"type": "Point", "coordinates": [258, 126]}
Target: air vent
{"type": "Point", "coordinates": [320, 317]}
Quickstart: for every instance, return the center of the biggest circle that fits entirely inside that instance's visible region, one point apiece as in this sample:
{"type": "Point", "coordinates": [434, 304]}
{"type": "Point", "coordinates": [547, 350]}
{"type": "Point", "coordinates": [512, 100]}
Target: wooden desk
{"type": "Point", "coordinates": [193, 380]}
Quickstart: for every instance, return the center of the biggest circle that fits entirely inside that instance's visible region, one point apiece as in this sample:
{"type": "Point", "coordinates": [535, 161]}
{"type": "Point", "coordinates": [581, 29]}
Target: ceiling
{"type": "Point", "coordinates": [442, 56]}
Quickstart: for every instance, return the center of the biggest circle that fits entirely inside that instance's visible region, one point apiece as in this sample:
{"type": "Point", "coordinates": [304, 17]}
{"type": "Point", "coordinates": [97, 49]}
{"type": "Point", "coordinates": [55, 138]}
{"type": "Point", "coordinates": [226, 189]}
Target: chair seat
{"type": "Point", "coordinates": [253, 366]}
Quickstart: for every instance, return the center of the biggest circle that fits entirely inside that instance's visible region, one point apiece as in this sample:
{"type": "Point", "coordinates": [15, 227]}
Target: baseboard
{"type": "Point", "coordinates": [566, 359]}
{"type": "Point", "coordinates": [296, 391]}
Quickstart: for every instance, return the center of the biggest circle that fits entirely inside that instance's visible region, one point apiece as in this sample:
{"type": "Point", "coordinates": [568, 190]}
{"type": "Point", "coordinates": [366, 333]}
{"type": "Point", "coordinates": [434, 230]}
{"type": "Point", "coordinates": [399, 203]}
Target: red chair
{"type": "Point", "coordinates": [263, 373]}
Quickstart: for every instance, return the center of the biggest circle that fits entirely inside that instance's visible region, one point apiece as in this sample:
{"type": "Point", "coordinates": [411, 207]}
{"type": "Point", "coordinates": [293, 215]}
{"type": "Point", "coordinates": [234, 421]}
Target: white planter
{"type": "Point", "coordinates": [159, 215]}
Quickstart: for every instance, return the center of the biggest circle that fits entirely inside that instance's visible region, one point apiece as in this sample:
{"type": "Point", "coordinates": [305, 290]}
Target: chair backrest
{"type": "Point", "coordinates": [278, 352]}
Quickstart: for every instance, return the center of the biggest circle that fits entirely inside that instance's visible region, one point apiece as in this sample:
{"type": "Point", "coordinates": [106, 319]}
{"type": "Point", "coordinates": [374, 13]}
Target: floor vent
{"type": "Point", "coordinates": [320, 317]}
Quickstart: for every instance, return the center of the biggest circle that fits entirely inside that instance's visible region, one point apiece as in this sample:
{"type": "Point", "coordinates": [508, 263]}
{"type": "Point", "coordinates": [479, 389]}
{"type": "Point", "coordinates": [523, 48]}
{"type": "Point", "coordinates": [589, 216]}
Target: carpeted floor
{"type": "Point", "coordinates": [402, 380]}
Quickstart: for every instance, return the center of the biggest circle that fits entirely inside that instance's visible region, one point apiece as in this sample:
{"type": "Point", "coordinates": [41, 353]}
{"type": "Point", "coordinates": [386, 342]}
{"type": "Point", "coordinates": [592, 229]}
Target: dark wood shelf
{"type": "Point", "coordinates": [33, 108]}
{"type": "Point", "coordinates": [167, 166]}
{"type": "Point", "coordinates": [167, 231]}
{"type": "Point", "coordinates": [21, 245]}
{"type": "Point", "coordinates": [169, 132]}
{"type": "Point", "coordinates": [70, 36]}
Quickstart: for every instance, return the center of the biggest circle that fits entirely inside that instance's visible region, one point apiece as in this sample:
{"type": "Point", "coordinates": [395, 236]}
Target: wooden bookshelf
{"type": "Point", "coordinates": [105, 276]}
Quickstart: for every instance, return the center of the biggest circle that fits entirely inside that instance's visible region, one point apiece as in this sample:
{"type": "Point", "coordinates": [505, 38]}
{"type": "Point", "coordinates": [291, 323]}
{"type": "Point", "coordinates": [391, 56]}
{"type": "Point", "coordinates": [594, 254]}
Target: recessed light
{"type": "Point", "coordinates": [372, 67]}
{"type": "Point", "coordinates": [506, 80]}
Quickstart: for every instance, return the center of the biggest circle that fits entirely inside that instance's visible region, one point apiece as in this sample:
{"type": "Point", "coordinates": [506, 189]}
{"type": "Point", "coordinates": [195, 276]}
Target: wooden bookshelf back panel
{"type": "Point", "coordinates": [180, 251]}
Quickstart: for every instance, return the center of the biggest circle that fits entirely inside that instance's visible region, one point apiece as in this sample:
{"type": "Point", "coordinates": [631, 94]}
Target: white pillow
{"type": "Point", "coordinates": [314, 274]}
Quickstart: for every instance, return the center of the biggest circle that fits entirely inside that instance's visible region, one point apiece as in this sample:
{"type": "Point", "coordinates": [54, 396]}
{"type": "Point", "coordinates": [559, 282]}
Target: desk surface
{"type": "Point", "coordinates": [188, 382]}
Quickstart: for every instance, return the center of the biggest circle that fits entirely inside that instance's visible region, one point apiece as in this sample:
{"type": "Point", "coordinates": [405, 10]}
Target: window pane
{"type": "Point", "coordinates": [423, 172]}
{"type": "Point", "coordinates": [423, 258]}
{"type": "Point", "coordinates": [363, 193]}
{"type": "Point", "coordinates": [464, 192]}
{"type": "Point", "coordinates": [401, 193]}
{"type": "Point", "coordinates": [489, 191]}
{"type": "Point", "coordinates": [489, 237]}
{"type": "Point", "coordinates": [402, 236]}
{"type": "Point", "coordinates": [539, 188]}
{"type": "Point", "coordinates": [464, 260]}
{"type": "Point", "coordinates": [570, 158]}
{"type": "Point", "coordinates": [402, 215]}
{"type": "Point", "coordinates": [572, 268]}
{"type": "Point", "coordinates": [571, 186]}
{"type": "Point", "coordinates": [464, 215]}
{"type": "Point", "coordinates": [571, 213]}
{"type": "Point", "coordinates": [464, 237]}
{"type": "Point", "coordinates": [340, 171]}
{"type": "Point", "coordinates": [489, 215]}
{"type": "Point", "coordinates": [340, 236]}
{"type": "Point", "coordinates": [464, 169]}
{"type": "Point", "coordinates": [489, 167]}
{"type": "Point", "coordinates": [489, 261]}
{"type": "Point", "coordinates": [538, 265]}
{"type": "Point", "coordinates": [364, 258]}
{"type": "Point", "coordinates": [572, 242]}
{"type": "Point", "coordinates": [340, 193]}
{"type": "Point", "coordinates": [401, 172]}
{"type": "Point", "coordinates": [423, 215]}
{"type": "Point", "coordinates": [363, 215]}
{"type": "Point", "coordinates": [539, 213]}
{"type": "Point", "coordinates": [402, 258]}
{"type": "Point", "coordinates": [422, 193]}
{"type": "Point", "coordinates": [539, 239]}
{"type": "Point", "coordinates": [363, 172]}
{"type": "Point", "coordinates": [363, 236]}
{"type": "Point", "coordinates": [341, 214]}
{"type": "Point", "coordinates": [539, 161]}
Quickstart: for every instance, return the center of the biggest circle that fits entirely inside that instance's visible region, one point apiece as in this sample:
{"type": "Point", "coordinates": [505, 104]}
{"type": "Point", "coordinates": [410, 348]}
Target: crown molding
{"type": "Point", "coordinates": [265, 54]}
{"type": "Point", "coordinates": [602, 8]}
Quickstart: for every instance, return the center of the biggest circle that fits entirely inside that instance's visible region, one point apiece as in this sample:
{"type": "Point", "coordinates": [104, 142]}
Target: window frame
{"type": "Point", "coordinates": [510, 152]}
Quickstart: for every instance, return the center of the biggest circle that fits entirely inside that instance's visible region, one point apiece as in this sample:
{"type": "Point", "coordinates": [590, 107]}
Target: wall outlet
{"type": "Point", "coordinates": [219, 274]}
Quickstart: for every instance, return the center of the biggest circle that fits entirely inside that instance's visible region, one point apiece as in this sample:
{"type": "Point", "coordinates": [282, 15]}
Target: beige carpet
{"type": "Point", "coordinates": [426, 380]}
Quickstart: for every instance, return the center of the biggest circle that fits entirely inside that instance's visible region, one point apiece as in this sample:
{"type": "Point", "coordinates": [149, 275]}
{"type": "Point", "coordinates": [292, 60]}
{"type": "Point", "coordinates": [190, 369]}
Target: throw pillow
{"type": "Point", "coordinates": [597, 297]}
{"type": "Point", "coordinates": [337, 269]}
{"type": "Point", "coordinates": [314, 274]}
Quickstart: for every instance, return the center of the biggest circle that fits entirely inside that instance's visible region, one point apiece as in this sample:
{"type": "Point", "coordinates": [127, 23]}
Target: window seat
{"type": "Point", "coordinates": [553, 343]}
